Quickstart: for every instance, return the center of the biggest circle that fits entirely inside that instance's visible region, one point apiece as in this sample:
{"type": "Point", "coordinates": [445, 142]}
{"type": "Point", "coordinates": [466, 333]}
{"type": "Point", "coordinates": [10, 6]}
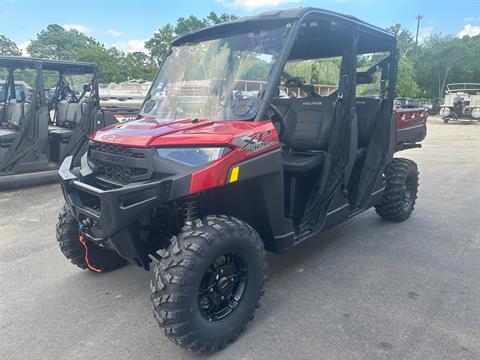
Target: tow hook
{"type": "Point", "coordinates": [82, 229]}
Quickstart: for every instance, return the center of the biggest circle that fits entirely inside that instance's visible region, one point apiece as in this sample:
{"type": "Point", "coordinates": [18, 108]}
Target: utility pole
{"type": "Point", "coordinates": [418, 18]}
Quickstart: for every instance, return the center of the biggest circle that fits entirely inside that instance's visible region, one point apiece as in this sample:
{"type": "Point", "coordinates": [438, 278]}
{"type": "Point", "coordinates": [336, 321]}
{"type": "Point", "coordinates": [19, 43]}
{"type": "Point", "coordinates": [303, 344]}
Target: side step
{"type": "Point", "coordinates": [10, 182]}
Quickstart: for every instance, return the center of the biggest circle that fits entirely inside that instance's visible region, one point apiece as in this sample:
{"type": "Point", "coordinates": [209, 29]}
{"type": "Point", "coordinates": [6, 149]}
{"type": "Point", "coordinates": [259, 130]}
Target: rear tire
{"type": "Point", "coordinates": [198, 298]}
{"type": "Point", "coordinates": [68, 238]}
{"type": "Point", "coordinates": [445, 121]}
{"type": "Point", "coordinates": [401, 188]}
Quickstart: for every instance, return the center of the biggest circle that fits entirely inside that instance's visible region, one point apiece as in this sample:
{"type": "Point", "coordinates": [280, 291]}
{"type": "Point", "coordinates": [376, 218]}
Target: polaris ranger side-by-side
{"type": "Point", "coordinates": [236, 151]}
{"type": "Point", "coordinates": [48, 109]}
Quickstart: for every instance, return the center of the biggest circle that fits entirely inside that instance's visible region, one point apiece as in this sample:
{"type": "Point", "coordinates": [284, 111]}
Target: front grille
{"type": "Point", "coordinates": [120, 174]}
{"type": "Point", "coordinates": [119, 164]}
{"type": "Point", "coordinates": [117, 150]}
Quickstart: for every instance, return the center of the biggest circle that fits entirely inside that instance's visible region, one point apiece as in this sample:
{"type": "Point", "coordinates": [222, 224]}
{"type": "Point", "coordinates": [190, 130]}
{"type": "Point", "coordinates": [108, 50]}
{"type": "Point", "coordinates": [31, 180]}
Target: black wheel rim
{"type": "Point", "coordinates": [222, 287]}
{"type": "Point", "coordinates": [407, 192]}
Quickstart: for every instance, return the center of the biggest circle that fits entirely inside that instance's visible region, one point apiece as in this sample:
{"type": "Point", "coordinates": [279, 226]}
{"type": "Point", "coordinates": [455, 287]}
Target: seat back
{"type": "Point", "coordinates": [75, 112]}
{"type": "Point", "coordinates": [69, 114]}
{"type": "Point", "coordinates": [367, 110]}
{"type": "Point", "coordinates": [62, 108]}
{"type": "Point", "coordinates": [15, 114]}
{"type": "Point", "coordinates": [307, 124]}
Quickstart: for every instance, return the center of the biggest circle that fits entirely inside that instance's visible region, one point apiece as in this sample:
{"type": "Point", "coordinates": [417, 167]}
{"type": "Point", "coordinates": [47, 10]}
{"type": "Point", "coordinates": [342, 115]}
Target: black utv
{"type": "Point", "coordinates": [48, 109]}
{"type": "Point", "coordinates": [257, 134]}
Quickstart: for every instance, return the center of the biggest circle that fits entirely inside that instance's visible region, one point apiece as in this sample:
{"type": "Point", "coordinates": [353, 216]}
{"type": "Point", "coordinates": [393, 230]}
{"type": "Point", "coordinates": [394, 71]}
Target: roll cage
{"type": "Point", "coordinates": [365, 38]}
{"type": "Point", "coordinates": [39, 66]}
{"type": "Point", "coordinates": [315, 33]}
{"type": "Point", "coordinates": [32, 137]}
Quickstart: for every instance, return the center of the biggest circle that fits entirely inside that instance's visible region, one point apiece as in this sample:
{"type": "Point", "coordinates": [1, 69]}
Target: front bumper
{"type": "Point", "coordinates": [109, 212]}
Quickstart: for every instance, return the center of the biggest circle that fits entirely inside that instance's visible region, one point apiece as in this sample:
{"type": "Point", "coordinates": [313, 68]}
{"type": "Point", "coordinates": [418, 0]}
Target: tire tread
{"type": "Point", "coordinates": [173, 274]}
{"type": "Point", "coordinates": [391, 205]}
{"type": "Point", "coordinates": [68, 240]}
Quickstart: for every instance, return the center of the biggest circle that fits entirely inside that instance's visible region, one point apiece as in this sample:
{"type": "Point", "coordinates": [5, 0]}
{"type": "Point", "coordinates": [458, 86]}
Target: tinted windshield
{"type": "Point", "coordinates": [215, 79]}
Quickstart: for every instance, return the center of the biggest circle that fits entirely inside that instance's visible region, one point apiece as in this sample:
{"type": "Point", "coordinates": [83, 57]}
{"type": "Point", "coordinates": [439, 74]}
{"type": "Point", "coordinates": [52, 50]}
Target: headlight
{"type": "Point", "coordinates": [193, 156]}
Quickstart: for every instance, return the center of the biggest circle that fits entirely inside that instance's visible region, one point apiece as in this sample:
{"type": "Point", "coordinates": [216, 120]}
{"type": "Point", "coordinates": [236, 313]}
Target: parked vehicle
{"type": "Point", "coordinates": [47, 111]}
{"type": "Point", "coordinates": [206, 180]}
{"type": "Point", "coordinates": [122, 113]}
{"type": "Point", "coordinates": [406, 103]}
{"type": "Point", "coordinates": [127, 94]}
{"type": "Point", "coordinates": [462, 102]}
{"type": "Point", "coordinates": [434, 106]}
{"type": "Point", "coordinates": [22, 90]}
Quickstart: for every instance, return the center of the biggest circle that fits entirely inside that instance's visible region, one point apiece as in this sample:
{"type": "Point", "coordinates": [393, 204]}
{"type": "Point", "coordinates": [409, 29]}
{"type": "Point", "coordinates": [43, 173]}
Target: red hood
{"type": "Point", "coordinates": [147, 132]}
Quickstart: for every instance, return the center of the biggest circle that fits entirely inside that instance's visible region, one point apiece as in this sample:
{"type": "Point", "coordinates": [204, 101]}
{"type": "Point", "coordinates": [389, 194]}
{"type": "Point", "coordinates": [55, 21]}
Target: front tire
{"type": "Point", "coordinates": [68, 238]}
{"type": "Point", "coordinates": [208, 283]}
{"type": "Point", "coordinates": [401, 188]}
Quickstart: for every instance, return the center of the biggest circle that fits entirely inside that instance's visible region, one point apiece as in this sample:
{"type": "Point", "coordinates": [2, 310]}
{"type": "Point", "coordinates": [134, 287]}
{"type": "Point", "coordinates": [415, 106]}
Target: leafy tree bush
{"type": "Point", "coordinates": [159, 43]}
{"type": "Point", "coordinates": [441, 59]}
{"type": "Point", "coordinates": [8, 47]}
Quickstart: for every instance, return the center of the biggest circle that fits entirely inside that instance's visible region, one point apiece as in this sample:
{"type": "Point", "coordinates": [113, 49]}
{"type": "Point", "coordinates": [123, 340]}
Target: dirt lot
{"type": "Point", "coordinates": [367, 289]}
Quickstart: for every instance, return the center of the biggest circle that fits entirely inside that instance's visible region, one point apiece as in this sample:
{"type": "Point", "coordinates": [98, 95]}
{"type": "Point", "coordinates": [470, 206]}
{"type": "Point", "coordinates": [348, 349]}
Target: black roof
{"type": "Point", "coordinates": [76, 67]}
{"type": "Point", "coordinates": [274, 16]}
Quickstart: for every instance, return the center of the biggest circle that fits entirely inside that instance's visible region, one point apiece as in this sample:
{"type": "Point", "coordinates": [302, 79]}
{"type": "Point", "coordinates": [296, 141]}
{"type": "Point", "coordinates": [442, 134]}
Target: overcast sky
{"type": "Point", "coordinates": [127, 24]}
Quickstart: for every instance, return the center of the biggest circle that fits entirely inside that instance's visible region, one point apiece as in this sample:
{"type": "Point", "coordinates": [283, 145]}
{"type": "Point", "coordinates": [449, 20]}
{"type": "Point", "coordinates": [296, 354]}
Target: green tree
{"type": "Point", "coordinates": [405, 40]}
{"type": "Point", "coordinates": [445, 58]}
{"type": "Point", "coordinates": [138, 65]}
{"type": "Point", "coordinates": [405, 44]}
{"type": "Point", "coordinates": [214, 19]}
{"type": "Point", "coordinates": [404, 73]}
{"type": "Point", "coordinates": [107, 61]}
{"type": "Point", "coordinates": [191, 23]}
{"type": "Point", "coordinates": [158, 45]}
{"type": "Point", "coordinates": [55, 42]}
{"type": "Point", "coordinates": [8, 47]}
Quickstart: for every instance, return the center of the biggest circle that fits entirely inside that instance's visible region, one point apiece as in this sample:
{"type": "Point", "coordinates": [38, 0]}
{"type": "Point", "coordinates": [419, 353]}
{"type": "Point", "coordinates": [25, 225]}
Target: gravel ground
{"type": "Point", "coordinates": [367, 289]}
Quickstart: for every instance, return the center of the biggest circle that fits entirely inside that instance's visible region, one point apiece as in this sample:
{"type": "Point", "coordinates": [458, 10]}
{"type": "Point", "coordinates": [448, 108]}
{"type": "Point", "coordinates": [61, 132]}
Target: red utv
{"type": "Point", "coordinates": [257, 134]}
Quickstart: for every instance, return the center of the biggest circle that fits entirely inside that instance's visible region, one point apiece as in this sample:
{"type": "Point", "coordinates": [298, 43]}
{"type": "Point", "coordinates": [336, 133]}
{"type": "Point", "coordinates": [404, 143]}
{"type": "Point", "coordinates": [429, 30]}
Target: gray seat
{"type": "Point", "coordinates": [53, 128]}
{"type": "Point", "coordinates": [302, 164]}
{"type": "Point", "coordinates": [8, 135]}
{"type": "Point", "coordinates": [14, 116]}
{"type": "Point", "coordinates": [69, 115]}
{"type": "Point", "coordinates": [306, 134]}
{"type": "Point", "coordinates": [59, 133]}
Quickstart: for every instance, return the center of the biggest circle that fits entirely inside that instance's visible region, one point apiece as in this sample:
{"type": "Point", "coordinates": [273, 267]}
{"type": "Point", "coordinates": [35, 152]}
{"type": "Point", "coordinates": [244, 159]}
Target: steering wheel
{"type": "Point", "coordinates": [280, 121]}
